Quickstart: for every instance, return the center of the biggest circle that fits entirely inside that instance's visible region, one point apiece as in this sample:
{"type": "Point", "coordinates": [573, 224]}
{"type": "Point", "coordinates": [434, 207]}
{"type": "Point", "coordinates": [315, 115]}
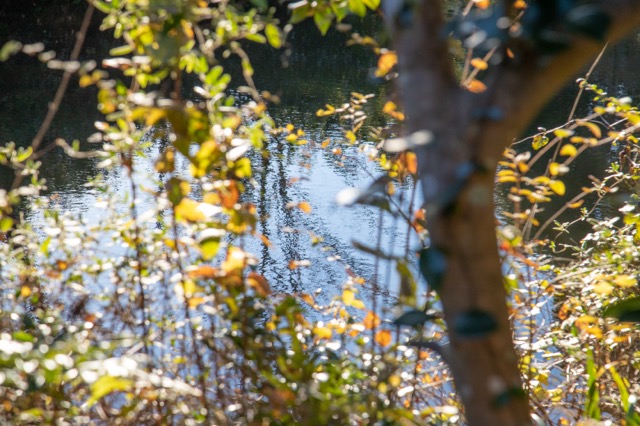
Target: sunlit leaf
{"type": "Point", "coordinates": [106, 385]}
{"type": "Point", "coordinates": [386, 62]}
{"type": "Point", "coordinates": [558, 187]}
{"type": "Point", "coordinates": [476, 86]}
{"type": "Point", "coordinates": [322, 332]}
{"type": "Point", "coordinates": [568, 151]}
{"type": "Point", "coordinates": [563, 133]}
{"type": "Point", "coordinates": [188, 210]}
{"type": "Point", "coordinates": [348, 296]}
{"type": "Point", "coordinates": [274, 36]}
{"type": "Point", "coordinates": [625, 281]}
{"type": "Point", "coordinates": [479, 64]}
{"type": "Point", "coordinates": [593, 128]}
{"type": "Point", "coordinates": [371, 321]}
{"type": "Point", "coordinates": [576, 205]}
{"type": "Point", "coordinates": [383, 337]}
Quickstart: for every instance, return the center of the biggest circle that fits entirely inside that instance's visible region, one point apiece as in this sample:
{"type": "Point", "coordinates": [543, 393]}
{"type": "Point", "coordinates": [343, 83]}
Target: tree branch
{"type": "Point", "coordinates": [521, 90]}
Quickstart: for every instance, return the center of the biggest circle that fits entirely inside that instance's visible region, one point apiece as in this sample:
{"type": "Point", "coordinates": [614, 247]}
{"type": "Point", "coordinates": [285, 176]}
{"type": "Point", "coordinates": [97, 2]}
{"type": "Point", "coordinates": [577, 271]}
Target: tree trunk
{"type": "Point", "coordinates": [457, 172]}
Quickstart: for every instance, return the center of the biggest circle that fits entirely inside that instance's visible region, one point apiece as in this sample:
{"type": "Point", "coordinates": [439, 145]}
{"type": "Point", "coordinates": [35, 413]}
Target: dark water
{"type": "Point", "coordinates": [320, 70]}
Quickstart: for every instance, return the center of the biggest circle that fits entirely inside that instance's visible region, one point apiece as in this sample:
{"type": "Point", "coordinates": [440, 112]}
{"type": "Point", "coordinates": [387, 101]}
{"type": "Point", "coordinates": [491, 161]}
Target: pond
{"type": "Point", "coordinates": [319, 71]}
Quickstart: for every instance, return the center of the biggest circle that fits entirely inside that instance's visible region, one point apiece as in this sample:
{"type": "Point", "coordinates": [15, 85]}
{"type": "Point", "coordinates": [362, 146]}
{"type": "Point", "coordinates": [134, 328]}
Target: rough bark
{"type": "Point", "coordinates": [485, 369]}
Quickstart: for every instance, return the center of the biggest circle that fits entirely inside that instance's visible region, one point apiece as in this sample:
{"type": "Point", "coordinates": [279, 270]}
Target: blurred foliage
{"type": "Point", "coordinates": [160, 316]}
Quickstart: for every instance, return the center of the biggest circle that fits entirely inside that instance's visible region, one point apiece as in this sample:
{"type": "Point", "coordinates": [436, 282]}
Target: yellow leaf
{"type": "Point", "coordinates": [392, 109]}
{"type": "Point", "coordinates": [25, 291]}
{"type": "Point", "coordinates": [558, 187]}
{"type": "Point", "coordinates": [325, 143]}
{"type": "Point", "coordinates": [603, 288]}
{"type": "Point", "coordinates": [476, 86]}
{"type": "Point", "coordinates": [348, 297]}
{"type": "Point", "coordinates": [235, 260]}
{"type": "Point", "coordinates": [383, 337]}
{"type": "Point", "coordinates": [504, 179]}
{"type": "Point", "coordinates": [593, 128]}
{"type": "Point", "coordinates": [479, 64]}
{"type": "Point", "coordinates": [188, 210]}
{"type": "Point", "coordinates": [358, 304]}
{"type": "Point", "coordinates": [554, 168]}
{"type": "Point", "coordinates": [563, 133]}
{"type": "Point", "coordinates": [625, 281]}
{"type": "Point", "coordinates": [568, 151]}
{"type": "Point", "coordinates": [576, 204]}
{"type": "Point", "coordinates": [190, 288]}
{"type": "Point", "coordinates": [322, 332]}
{"type": "Point", "coordinates": [523, 167]}
{"type": "Point", "coordinates": [386, 62]}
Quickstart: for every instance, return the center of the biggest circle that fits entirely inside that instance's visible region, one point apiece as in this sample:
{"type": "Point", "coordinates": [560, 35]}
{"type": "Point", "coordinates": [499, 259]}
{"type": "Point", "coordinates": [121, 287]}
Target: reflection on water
{"type": "Point", "coordinates": [319, 71]}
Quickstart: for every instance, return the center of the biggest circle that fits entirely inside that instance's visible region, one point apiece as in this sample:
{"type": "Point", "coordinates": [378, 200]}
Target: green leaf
{"type": "Point", "coordinates": [413, 318]}
{"type": "Point", "coordinates": [257, 38]}
{"type": "Point", "coordinates": [408, 289]}
{"type": "Point", "coordinates": [121, 50]}
{"type": "Point", "coordinates": [475, 324]}
{"type": "Point", "coordinates": [209, 248]}
{"type": "Point", "coordinates": [323, 20]}
{"type": "Point", "coordinates": [24, 154]}
{"type": "Point", "coordinates": [299, 11]}
{"type": "Point", "coordinates": [177, 189]}
{"type": "Point", "coordinates": [592, 404]}
{"type": "Point", "coordinates": [5, 224]}
{"type": "Point", "coordinates": [274, 36]}
{"type": "Point", "coordinates": [625, 311]}
{"type": "Point", "coordinates": [22, 336]}
{"type": "Point", "coordinates": [433, 265]}
{"type": "Point", "coordinates": [260, 4]}
{"type": "Point", "coordinates": [9, 49]}
{"type": "Point", "coordinates": [107, 384]}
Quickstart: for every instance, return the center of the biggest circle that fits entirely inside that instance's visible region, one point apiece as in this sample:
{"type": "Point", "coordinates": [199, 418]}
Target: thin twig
{"type": "Point", "coordinates": [62, 89]}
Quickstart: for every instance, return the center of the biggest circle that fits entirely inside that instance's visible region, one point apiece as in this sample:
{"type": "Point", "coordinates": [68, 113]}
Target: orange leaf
{"type": "Point", "coordinates": [203, 271]}
{"type": "Point", "coordinates": [229, 195]}
{"type": "Point", "coordinates": [371, 321]}
{"type": "Point", "coordinates": [482, 4]}
{"type": "Point", "coordinates": [305, 207]}
{"type": "Point", "coordinates": [412, 162]}
{"type": "Point", "coordinates": [386, 62]}
{"type": "Point", "coordinates": [383, 337]}
{"type": "Point", "coordinates": [476, 86]}
{"type": "Point", "coordinates": [259, 284]}
{"type": "Point", "coordinates": [479, 64]}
